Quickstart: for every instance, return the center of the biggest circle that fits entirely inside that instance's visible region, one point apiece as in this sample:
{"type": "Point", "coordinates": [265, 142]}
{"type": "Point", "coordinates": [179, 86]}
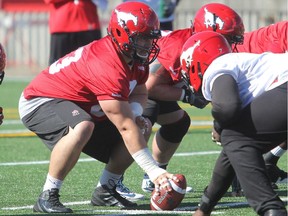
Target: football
{"type": "Point", "coordinates": [169, 200]}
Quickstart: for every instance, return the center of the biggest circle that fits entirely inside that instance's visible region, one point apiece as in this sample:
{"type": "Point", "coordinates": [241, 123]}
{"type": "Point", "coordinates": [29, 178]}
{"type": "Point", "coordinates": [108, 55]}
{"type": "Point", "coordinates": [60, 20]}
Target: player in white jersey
{"type": "Point", "coordinates": [248, 93]}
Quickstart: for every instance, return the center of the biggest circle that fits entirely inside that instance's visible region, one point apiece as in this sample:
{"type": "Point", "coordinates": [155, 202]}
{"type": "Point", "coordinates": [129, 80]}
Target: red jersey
{"type": "Point", "coordinates": [170, 51]}
{"type": "Point", "coordinates": [72, 16]}
{"type": "Point", "coordinates": [89, 74]}
{"type": "Point", "coordinates": [272, 38]}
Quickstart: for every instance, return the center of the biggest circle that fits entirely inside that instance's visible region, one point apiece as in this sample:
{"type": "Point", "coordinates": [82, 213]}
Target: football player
{"type": "Point", "coordinates": [271, 38]}
{"type": "Point", "coordinates": [2, 73]}
{"type": "Point", "coordinates": [53, 106]}
{"type": "Point", "coordinates": [240, 86]}
{"type": "Point", "coordinates": [165, 89]}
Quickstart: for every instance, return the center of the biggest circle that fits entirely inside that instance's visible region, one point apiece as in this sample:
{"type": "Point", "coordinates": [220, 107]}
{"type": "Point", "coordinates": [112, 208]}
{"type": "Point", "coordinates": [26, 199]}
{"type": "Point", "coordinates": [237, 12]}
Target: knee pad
{"type": "Point", "coordinates": [176, 131]}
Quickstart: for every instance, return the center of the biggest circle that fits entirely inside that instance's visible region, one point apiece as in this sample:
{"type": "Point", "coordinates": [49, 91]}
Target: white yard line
{"type": "Point", "coordinates": [181, 210]}
{"type": "Point", "coordinates": [24, 163]}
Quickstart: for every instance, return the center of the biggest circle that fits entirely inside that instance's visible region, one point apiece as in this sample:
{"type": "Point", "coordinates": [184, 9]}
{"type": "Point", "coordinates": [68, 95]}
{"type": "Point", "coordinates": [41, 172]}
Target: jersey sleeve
{"type": "Point", "coordinates": [170, 51]}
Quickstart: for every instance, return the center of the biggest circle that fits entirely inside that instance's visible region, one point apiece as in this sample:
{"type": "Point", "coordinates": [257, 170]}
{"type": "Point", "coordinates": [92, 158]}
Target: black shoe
{"type": "Point", "coordinates": [275, 174]}
{"type": "Point", "coordinates": [275, 212]}
{"type": "Point", "coordinates": [274, 186]}
{"type": "Point", "coordinates": [48, 202]}
{"type": "Point", "coordinates": [283, 176]}
{"type": "Point", "coordinates": [103, 196]}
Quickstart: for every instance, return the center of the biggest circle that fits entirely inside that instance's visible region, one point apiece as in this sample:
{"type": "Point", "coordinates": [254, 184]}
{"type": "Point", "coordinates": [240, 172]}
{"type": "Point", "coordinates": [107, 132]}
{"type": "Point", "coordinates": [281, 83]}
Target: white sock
{"type": "Point", "coordinates": [278, 151]}
{"type": "Point", "coordinates": [109, 179]}
{"type": "Point", "coordinates": [52, 183]}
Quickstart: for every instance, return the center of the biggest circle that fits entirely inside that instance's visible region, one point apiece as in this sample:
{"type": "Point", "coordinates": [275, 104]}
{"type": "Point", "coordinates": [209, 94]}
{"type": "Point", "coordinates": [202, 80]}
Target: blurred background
{"type": "Point", "coordinates": [25, 33]}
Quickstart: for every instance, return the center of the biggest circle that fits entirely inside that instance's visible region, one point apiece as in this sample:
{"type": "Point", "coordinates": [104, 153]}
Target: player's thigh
{"type": "Point", "coordinates": [51, 120]}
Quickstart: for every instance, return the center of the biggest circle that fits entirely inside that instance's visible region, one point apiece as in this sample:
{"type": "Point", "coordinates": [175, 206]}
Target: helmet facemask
{"type": "Point", "coordinates": [234, 41]}
{"type": "Point", "coordinates": [145, 47]}
{"type": "Point", "coordinates": [142, 47]}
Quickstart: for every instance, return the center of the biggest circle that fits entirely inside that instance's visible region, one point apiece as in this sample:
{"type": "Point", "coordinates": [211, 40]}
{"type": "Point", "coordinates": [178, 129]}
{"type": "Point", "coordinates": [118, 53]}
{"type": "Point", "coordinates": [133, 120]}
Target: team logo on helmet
{"type": "Point", "coordinates": [211, 20]}
{"type": "Point", "coordinates": [123, 18]}
{"type": "Point", "coordinates": [186, 55]}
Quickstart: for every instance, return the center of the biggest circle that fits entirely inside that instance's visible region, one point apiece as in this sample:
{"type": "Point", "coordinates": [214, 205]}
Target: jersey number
{"type": "Point", "coordinates": [56, 66]}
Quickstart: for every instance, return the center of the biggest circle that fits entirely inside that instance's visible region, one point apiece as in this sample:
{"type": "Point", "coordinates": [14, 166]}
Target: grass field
{"type": "Point", "coordinates": [24, 162]}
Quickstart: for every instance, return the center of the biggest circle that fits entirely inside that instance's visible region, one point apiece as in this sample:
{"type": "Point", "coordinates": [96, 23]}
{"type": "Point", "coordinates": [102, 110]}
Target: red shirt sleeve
{"type": "Point", "coordinates": [170, 51]}
{"type": "Point", "coordinates": [272, 38]}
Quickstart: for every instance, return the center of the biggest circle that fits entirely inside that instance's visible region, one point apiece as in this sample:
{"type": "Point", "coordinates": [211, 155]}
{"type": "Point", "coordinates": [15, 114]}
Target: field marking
{"type": "Point", "coordinates": [180, 210]}
{"type": "Point", "coordinates": [23, 163]}
{"type": "Point", "coordinates": [195, 124]}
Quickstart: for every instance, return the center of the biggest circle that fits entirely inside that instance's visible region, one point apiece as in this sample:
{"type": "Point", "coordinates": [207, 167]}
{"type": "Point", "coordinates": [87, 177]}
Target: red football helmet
{"type": "Point", "coordinates": [222, 19]}
{"type": "Point", "coordinates": [132, 22]}
{"type": "Point", "coordinates": [198, 52]}
{"type": "Point", "coordinates": [2, 62]}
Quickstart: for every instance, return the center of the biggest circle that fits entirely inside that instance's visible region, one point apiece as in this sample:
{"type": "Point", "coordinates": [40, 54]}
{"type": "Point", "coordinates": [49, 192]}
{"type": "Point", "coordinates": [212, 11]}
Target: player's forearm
{"type": "Point", "coordinates": [132, 137]}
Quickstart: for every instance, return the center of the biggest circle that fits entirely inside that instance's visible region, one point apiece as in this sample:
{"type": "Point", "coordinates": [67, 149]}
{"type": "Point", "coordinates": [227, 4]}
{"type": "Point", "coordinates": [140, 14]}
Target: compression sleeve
{"type": "Point", "coordinates": [226, 102]}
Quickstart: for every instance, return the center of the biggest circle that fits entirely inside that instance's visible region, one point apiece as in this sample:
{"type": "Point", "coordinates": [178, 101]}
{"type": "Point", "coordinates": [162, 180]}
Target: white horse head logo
{"type": "Point", "coordinates": [123, 17]}
{"type": "Point", "coordinates": [187, 55]}
{"type": "Point", "coordinates": [212, 20]}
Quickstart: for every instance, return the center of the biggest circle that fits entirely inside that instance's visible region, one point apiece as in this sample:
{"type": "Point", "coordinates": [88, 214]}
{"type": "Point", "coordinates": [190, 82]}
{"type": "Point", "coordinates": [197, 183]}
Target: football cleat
{"type": "Point", "coordinates": [147, 185]}
{"type": "Point", "coordinates": [275, 174]}
{"type": "Point", "coordinates": [127, 193]}
{"type": "Point", "coordinates": [282, 179]}
{"type": "Point", "coordinates": [48, 202]}
{"type": "Point", "coordinates": [103, 196]}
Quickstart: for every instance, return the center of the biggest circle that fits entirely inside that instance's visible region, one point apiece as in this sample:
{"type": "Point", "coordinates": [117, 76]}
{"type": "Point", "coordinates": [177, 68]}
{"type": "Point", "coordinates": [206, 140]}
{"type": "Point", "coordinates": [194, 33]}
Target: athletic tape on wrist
{"type": "Point", "coordinates": [145, 160]}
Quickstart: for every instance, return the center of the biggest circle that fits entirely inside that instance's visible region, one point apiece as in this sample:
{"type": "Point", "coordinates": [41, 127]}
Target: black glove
{"type": "Point", "coordinates": [194, 99]}
{"type": "Point", "coordinates": [216, 133]}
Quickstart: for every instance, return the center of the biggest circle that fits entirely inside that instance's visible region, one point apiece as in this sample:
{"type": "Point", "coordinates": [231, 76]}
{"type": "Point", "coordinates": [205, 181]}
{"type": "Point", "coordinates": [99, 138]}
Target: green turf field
{"type": "Point", "coordinates": [24, 162]}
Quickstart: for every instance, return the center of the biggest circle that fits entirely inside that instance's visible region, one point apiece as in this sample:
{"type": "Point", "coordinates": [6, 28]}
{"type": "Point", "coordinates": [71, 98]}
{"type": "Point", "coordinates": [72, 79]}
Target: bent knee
{"type": "Point", "coordinates": [176, 131]}
{"type": "Point", "coordinates": [84, 130]}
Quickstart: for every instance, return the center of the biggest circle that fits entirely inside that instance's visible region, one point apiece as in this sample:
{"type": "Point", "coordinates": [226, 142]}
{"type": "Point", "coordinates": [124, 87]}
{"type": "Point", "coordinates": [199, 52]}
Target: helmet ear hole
{"type": "Point", "coordinates": [118, 33]}
{"type": "Point", "coordinates": [193, 69]}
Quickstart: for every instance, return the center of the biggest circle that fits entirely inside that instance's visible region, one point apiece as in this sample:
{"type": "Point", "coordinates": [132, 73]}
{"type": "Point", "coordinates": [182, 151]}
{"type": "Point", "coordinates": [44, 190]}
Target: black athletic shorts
{"type": "Point", "coordinates": [51, 121]}
{"type": "Point", "coordinates": [157, 107]}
